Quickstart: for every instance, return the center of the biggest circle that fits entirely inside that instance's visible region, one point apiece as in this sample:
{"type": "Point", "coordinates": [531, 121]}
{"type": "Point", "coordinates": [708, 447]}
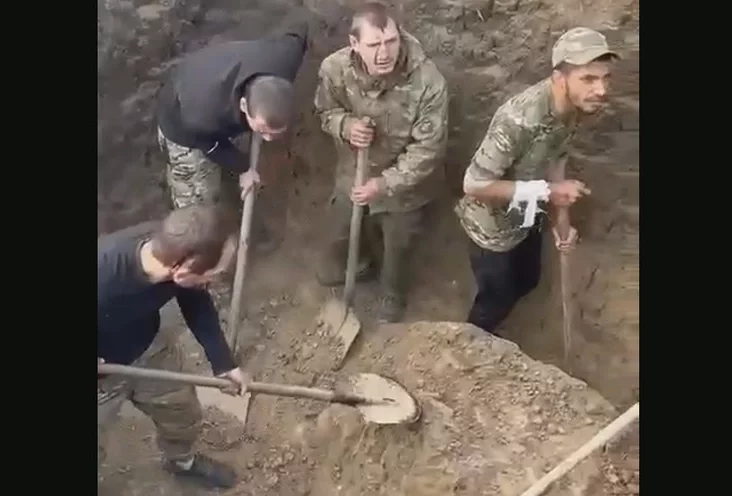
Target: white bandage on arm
{"type": "Point", "coordinates": [530, 192]}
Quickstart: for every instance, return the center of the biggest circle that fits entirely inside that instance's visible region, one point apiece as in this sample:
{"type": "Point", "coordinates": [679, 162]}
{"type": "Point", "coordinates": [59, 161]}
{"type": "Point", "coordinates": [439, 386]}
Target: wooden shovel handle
{"type": "Point", "coordinates": [563, 224]}
{"type": "Point", "coordinates": [219, 383]}
{"type": "Point", "coordinates": [599, 440]}
{"type": "Point", "coordinates": [241, 254]}
{"type": "Point", "coordinates": [354, 240]}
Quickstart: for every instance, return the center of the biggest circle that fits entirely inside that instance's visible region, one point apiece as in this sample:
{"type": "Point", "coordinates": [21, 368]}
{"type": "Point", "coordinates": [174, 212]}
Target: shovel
{"type": "Point", "coordinates": [565, 281]}
{"type": "Point", "coordinates": [378, 399]}
{"type": "Point", "coordinates": [338, 315]}
{"type": "Point", "coordinates": [241, 257]}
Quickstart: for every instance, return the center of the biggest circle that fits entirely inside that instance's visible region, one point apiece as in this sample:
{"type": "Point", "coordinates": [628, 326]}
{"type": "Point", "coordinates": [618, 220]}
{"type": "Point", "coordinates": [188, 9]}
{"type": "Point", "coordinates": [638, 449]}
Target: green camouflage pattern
{"type": "Point", "coordinates": [580, 46]}
{"type": "Point", "coordinates": [396, 234]}
{"type": "Point", "coordinates": [173, 408]}
{"type": "Point", "coordinates": [192, 178]}
{"type": "Point", "coordinates": [409, 111]}
{"type": "Point", "coordinates": [524, 138]}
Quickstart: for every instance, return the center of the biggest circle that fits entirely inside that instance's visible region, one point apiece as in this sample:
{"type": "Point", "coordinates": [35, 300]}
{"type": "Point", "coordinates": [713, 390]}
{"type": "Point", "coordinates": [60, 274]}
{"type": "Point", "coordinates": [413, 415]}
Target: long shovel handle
{"type": "Point", "coordinates": [600, 439]}
{"type": "Point", "coordinates": [219, 383]}
{"type": "Point", "coordinates": [354, 240]}
{"type": "Point", "coordinates": [241, 257]}
{"type": "Point", "coordinates": [563, 227]}
{"type": "Point", "coordinates": [565, 279]}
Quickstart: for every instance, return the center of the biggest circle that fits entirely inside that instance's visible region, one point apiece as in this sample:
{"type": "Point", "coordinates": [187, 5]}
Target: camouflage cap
{"type": "Point", "coordinates": [580, 46]}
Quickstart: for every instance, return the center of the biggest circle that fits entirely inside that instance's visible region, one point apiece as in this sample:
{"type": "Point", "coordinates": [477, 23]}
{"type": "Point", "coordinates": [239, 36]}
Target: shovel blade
{"type": "Point", "coordinates": [343, 328]}
{"type": "Point", "coordinates": [389, 403]}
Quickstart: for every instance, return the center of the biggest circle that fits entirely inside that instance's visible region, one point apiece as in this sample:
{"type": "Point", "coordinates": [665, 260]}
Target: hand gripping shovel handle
{"type": "Point", "coordinates": [241, 257]}
{"type": "Point", "coordinates": [355, 237]}
{"type": "Point", "coordinates": [219, 383]}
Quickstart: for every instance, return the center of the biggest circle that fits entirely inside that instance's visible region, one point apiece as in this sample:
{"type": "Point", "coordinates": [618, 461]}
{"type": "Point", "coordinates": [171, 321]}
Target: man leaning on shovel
{"type": "Point", "coordinates": [384, 94]}
{"type": "Point", "coordinates": [140, 269]}
{"type": "Point", "coordinates": [519, 164]}
{"type": "Point", "coordinates": [223, 92]}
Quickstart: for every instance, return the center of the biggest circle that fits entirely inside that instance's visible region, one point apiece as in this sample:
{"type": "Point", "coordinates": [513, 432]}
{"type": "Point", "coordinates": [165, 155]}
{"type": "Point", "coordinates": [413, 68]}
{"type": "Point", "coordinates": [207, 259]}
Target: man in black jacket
{"type": "Point", "coordinates": [221, 92]}
{"type": "Point", "coordinates": [140, 269]}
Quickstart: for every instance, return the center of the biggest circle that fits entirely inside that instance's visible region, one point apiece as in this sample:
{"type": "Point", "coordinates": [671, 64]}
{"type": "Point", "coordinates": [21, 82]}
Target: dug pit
{"type": "Point", "coordinates": [493, 418]}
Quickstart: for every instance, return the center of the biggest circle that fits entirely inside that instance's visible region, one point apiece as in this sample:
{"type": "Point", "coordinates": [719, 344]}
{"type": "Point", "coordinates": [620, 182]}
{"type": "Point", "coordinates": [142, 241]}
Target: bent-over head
{"type": "Point", "coordinates": [196, 242]}
{"type": "Point", "coordinates": [268, 104]}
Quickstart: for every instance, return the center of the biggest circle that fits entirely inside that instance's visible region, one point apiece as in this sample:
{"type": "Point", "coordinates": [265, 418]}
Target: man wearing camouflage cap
{"type": "Point", "coordinates": [520, 165]}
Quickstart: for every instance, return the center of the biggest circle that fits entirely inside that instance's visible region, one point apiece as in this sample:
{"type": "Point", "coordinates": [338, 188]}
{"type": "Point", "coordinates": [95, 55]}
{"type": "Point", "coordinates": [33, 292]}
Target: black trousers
{"type": "Point", "coordinates": [502, 279]}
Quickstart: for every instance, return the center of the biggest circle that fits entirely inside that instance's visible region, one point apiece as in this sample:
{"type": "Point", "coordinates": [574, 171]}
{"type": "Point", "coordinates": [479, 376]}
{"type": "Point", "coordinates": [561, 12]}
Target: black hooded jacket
{"type": "Point", "coordinates": [198, 107]}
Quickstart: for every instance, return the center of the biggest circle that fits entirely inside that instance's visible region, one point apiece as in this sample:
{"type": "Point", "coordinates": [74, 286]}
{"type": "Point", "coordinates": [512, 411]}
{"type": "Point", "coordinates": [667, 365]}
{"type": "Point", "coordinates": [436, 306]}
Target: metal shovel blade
{"type": "Point", "coordinates": [389, 402]}
{"type": "Point", "coordinates": [338, 316]}
{"type": "Point", "coordinates": [343, 327]}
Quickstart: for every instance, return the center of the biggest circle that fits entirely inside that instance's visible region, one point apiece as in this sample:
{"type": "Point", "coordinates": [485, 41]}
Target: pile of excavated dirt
{"type": "Point", "coordinates": [493, 420]}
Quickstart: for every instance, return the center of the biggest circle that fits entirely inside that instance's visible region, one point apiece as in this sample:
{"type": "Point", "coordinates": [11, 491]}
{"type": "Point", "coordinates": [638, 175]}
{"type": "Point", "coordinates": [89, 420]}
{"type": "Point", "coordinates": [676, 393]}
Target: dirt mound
{"type": "Point", "coordinates": [493, 420]}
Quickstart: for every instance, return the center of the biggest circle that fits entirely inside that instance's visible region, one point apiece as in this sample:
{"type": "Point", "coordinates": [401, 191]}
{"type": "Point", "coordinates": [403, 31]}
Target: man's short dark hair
{"type": "Point", "coordinates": [271, 98]}
{"type": "Point", "coordinates": [377, 14]}
{"type": "Point", "coordinates": [196, 233]}
{"type": "Point", "coordinates": [565, 67]}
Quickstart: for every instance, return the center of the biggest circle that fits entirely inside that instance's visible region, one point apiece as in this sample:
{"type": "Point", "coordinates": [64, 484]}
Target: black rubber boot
{"type": "Point", "coordinates": [206, 472]}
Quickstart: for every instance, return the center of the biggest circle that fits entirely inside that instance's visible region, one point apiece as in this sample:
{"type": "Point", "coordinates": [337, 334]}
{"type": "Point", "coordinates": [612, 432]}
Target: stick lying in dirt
{"type": "Point", "coordinates": [600, 439]}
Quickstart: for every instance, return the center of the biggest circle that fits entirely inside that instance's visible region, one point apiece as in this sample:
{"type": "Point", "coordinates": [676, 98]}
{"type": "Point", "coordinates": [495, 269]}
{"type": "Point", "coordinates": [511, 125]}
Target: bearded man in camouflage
{"type": "Point", "coordinates": [521, 162]}
{"type": "Point", "coordinates": [384, 78]}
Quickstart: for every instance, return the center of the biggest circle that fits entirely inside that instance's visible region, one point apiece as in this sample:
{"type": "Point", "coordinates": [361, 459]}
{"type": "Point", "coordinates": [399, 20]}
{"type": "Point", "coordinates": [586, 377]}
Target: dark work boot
{"type": "Point", "coordinates": [204, 471]}
{"type": "Point", "coordinates": [391, 309]}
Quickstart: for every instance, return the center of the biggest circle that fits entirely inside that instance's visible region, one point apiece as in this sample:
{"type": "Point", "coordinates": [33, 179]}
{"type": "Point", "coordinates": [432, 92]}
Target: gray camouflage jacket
{"type": "Point", "coordinates": [523, 139]}
{"type": "Point", "coordinates": [409, 110]}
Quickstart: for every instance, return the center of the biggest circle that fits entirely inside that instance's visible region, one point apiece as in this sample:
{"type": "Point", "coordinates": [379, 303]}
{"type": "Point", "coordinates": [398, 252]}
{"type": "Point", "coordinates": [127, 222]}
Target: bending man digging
{"type": "Point", "coordinates": [220, 93]}
{"type": "Point", "coordinates": [140, 269]}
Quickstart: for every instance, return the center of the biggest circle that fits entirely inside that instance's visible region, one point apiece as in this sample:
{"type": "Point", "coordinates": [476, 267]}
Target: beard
{"type": "Point", "coordinates": [587, 106]}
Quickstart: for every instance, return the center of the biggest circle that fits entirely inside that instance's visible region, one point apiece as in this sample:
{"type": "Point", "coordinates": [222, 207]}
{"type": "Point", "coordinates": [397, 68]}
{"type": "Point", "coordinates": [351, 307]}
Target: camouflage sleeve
{"type": "Point", "coordinates": [329, 106]}
{"type": "Point", "coordinates": [429, 135]}
{"type": "Point", "coordinates": [497, 152]}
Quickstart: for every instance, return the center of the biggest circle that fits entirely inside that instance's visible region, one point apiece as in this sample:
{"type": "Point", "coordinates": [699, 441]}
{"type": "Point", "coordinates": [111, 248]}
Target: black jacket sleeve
{"type": "Point", "coordinates": [202, 319]}
{"type": "Point", "coordinates": [225, 154]}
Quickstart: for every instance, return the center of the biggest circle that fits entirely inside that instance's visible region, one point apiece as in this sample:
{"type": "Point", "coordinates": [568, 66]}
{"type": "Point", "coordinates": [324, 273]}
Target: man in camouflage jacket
{"type": "Point", "coordinates": [384, 94]}
{"type": "Point", "coordinates": [521, 161]}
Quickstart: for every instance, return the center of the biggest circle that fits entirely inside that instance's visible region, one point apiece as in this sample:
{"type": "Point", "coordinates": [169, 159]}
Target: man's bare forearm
{"type": "Point", "coordinates": [497, 193]}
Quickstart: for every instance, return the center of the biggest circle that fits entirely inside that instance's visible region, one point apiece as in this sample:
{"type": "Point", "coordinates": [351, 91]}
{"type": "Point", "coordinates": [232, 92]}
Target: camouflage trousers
{"type": "Point", "coordinates": [395, 233]}
{"type": "Point", "coordinates": [173, 408]}
{"type": "Point", "coordinates": [192, 178]}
